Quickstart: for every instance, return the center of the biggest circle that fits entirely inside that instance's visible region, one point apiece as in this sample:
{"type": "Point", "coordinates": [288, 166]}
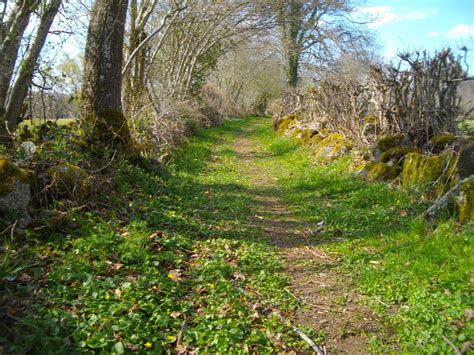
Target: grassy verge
{"type": "Point", "coordinates": [417, 277]}
{"type": "Point", "coordinates": [156, 264]}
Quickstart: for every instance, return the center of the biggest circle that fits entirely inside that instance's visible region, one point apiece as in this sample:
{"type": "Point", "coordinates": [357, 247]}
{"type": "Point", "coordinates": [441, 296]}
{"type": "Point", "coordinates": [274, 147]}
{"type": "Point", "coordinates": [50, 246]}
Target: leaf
{"type": "Point", "coordinates": [119, 348]}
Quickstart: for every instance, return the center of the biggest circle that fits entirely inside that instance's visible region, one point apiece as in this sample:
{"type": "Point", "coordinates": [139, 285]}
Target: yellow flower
{"type": "Point", "coordinates": [212, 286]}
{"type": "Point", "coordinates": [179, 279]}
{"type": "Point", "coordinates": [171, 276]}
{"type": "Point", "coordinates": [449, 318]}
{"type": "Point", "coordinates": [170, 338]}
{"type": "Point", "coordinates": [148, 345]}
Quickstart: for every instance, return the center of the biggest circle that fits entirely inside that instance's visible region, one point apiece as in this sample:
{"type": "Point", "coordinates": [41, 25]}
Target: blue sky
{"type": "Point", "coordinates": [422, 24]}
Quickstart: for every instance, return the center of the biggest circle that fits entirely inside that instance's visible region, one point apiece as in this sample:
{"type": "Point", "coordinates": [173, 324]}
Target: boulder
{"type": "Point", "coordinates": [439, 170]}
{"type": "Point", "coordinates": [466, 202]}
{"type": "Point", "coordinates": [465, 165]}
{"type": "Point", "coordinates": [397, 154]}
{"type": "Point", "coordinates": [390, 141]}
{"type": "Point", "coordinates": [439, 143]}
{"type": "Point", "coordinates": [67, 178]}
{"type": "Point", "coordinates": [380, 171]}
{"type": "Point", "coordinates": [333, 146]}
{"type": "Point", "coordinates": [15, 192]}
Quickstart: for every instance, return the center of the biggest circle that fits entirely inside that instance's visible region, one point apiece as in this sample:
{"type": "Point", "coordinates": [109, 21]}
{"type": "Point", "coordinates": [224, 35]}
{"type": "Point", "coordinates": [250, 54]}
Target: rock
{"type": "Point", "coordinates": [15, 192]}
{"type": "Point", "coordinates": [466, 202]}
{"type": "Point", "coordinates": [67, 178]}
{"type": "Point", "coordinates": [380, 171]}
{"type": "Point", "coordinates": [27, 150]}
{"type": "Point", "coordinates": [375, 151]}
{"type": "Point", "coordinates": [421, 169]}
{"type": "Point", "coordinates": [465, 165]}
{"type": "Point", "coordinates": [387, 142]}
{"type": "Point", "coordinates": [333, 146]}
{"type": "Point", "coordinates": [286, 122]}
{"type": "Point", "coordinates": [439, 143]}
{"type": "Point", "coordinates": [397, 154]}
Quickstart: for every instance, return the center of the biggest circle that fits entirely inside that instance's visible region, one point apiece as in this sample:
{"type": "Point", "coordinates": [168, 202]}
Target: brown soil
{"type": "Point", "coordinates": [328, 300]}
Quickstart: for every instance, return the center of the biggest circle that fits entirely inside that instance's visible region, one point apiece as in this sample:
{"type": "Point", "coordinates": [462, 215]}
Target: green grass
{"type": "Point", "coordinates": [169, 264]}
{"type": "Point", "coordinates": [417, 277]}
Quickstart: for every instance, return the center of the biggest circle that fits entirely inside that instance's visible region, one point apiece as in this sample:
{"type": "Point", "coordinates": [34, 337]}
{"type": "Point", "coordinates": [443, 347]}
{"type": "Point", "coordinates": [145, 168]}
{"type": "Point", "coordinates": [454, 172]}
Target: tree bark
{"type": "Point", "coordinates": [12, 33]}
{"type": "Point", "coordinates": [25, 75]}
{"type": "Point", "coordinates": [103, 121]}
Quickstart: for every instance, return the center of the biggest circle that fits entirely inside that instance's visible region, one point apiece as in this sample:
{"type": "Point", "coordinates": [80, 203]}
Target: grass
{"type": "Point", "coordinates": [419, 278]}
{"type": "Point", "coordinates": [166, 264]}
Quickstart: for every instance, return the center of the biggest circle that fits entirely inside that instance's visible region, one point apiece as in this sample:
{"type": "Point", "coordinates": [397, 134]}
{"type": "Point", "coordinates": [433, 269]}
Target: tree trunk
{"type": "Point", "coordinates": [20, 87]}
{"type": "Point", "coordinates": [103, 121]}
{"type": "Point", "coordinates": [12, 33]}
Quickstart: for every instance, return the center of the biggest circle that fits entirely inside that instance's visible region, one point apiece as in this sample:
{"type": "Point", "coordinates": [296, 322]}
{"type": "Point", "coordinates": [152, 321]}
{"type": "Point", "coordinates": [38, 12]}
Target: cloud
{"type": "Point", "coordinates": [383, 15]}
{"type": "Point", "coordinates": [461, 31]}
{"type": "Point", "coordinates": [434, 34]}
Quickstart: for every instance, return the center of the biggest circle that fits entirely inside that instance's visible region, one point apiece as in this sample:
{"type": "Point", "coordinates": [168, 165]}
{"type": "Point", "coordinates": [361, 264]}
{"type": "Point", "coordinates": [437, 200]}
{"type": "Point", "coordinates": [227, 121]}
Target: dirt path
{"type": "Point", "coordinates": [330, 303]}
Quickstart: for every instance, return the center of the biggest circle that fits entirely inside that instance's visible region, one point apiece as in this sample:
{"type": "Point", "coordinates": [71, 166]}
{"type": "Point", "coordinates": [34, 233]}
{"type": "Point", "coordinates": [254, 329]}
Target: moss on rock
{"type": "Point", "coordinates": [466, 202]}
{"type": "Point", "coordinates": [333, 145]}
{"type": "Point", "coordinates": [286, 122]}
{"type": "Point", "coordinates": [381, 171]}
{"type": "Point", "coordinates": [9, 174]}
{"type": "Point", "coordinates": [397, 154]}
{"type": "Point", "coordinates": [303, 136]}
{"type": "Point", "coordinates": [419, 169]}
{"type": "Point", "coordinates": [67, 178]}
{"type": "Point", "coordinates": [387, 142]}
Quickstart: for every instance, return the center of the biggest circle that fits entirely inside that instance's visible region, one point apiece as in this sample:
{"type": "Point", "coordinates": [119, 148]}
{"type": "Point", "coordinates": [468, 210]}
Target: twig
{"type": "Point", "coordinates": [13, 230]}
{"type": "Point", "coordinates": [456, 350]}
{"type": "Point", "coordinates": [316, 254]}
{"type": "Point", "coordinates": [107, 165]}
{"type": "Point", "coordinates": [303, 336]}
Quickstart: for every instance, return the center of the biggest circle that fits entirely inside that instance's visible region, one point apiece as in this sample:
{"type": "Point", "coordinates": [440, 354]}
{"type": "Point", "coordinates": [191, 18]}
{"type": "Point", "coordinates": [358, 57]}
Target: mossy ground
{"type": "Point", "coordinates": [9, 173]}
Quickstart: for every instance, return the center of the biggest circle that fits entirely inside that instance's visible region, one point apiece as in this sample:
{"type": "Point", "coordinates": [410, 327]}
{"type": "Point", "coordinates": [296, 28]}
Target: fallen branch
{"type": "Point", "coordinates": [449, 342]}
{"type": "Point", "coordinates": [317, 349]}
{"type": "Point", "coordinates": [442, 203]}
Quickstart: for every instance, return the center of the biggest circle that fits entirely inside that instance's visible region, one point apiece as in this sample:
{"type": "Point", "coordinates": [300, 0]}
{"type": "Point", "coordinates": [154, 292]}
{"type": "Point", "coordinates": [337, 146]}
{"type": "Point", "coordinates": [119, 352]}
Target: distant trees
{"type": "Point", "coordinates": [103, 121]}
{"type": "Point", "coordinates": [313, 31]}
{"type": "Point", "coordinates": [14, 23]}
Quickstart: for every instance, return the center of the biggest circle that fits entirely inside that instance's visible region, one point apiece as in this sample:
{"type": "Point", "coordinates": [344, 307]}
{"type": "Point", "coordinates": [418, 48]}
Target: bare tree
{"type": "Point", "coordinates": [101, 107]}
{"type": "Point", "coordinates": [313, 31]}
{"type": "Point", "coordinates": [20, 87]}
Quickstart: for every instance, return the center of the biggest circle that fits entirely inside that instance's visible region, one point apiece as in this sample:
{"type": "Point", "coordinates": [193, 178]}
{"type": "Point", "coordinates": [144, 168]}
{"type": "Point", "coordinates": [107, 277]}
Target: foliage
{"type": "Point", "coordinates": [415, 277]}
{"type": "Point", "coordinates": [169, 264]}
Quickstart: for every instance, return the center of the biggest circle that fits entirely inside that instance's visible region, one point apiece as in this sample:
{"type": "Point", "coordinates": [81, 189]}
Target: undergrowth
{"type": "Point", "coordinates": [417, 276]}
{"type": "Point", "coordinates": [155, 264]}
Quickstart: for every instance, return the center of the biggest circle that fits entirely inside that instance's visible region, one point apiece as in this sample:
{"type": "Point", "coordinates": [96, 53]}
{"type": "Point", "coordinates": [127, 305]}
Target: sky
{"type": "Point", "coordinates": [404, 25]}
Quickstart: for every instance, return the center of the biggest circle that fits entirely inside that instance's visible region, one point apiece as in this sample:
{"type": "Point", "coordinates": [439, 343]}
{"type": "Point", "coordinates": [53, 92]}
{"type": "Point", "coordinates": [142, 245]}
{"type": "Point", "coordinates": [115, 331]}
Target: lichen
{"type": "Point", "coordinates": [387, 142]}
{"type": "Point", "coordinates": [9, 174]}
{"type": "Point", "coordinates": [419, 169]}
{"type": "Point", "coordinates": [382, 171]}
{"type": "Point", "coordinates": [466, 202]}
{"type": "Point", "coordinates": [397, 154]}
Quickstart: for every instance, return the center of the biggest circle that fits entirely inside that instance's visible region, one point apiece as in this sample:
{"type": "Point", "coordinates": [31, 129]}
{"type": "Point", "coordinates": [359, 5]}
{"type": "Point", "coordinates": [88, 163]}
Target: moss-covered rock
{"type": "Point", "coordinates": [9, 174]}
{"type": "Point", "coordinates": [466, 202]}
{"type": "Point", "coordinates": [15, 192]}
{"type": "Point", "coordinates": [466, 158]}
{"type": "Point", "coordinates": [397, 154]}
{"type": "Point", "coordinates": [420, 169]}
{"type": "Point", "coordinates": [439, 142]}
{"type": "Point", "coordinates": [303, 136]}
{"type": "Point", "coordinates": [67, 178]}
{"type": "Point", "coordinates": [380, 171]}
{"type": "Point", "coordinates": [333, 145]}
{"type": "Point", "coordinates": [387, 142]}
{"type": "Point", "coordinates": [315, 140]}
{"type": "Point", "coordinates": [286, 122]}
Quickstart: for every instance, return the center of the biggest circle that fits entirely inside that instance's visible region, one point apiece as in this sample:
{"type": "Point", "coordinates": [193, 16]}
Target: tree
{"type": "Point", "coordinates": [314, 30]}
{"type": "Point", "coordinates": [103, 121]}
{"type": "Point", "coordinates": [14, 23]}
